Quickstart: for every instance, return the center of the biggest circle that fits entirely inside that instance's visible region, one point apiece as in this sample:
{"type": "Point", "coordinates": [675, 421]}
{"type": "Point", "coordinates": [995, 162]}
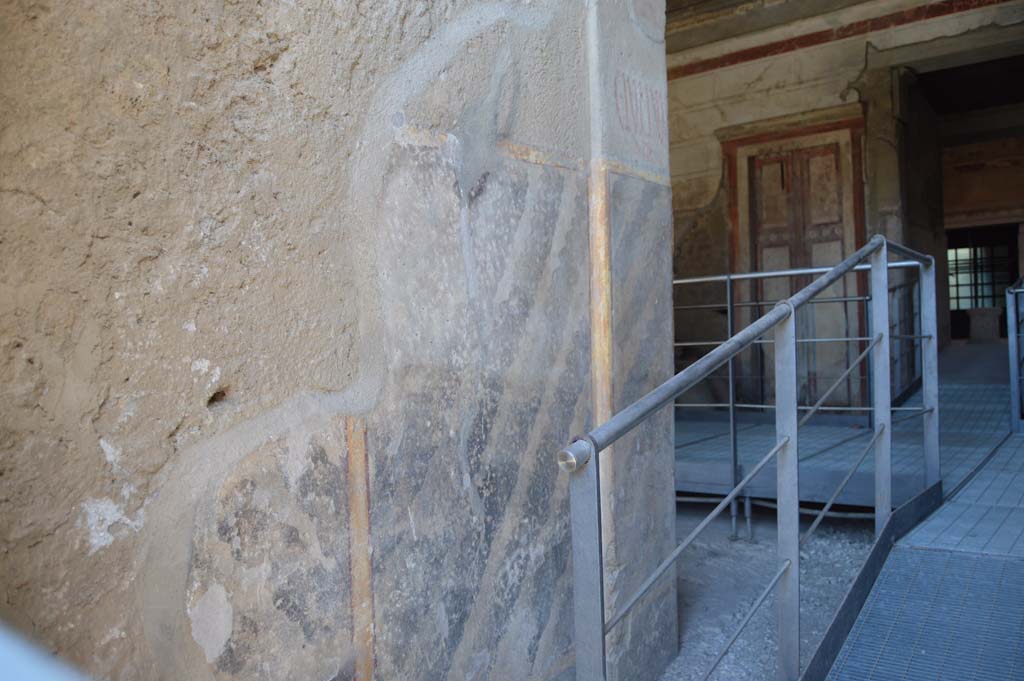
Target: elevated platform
{"type": "Point", "coordinates": [973, 421]}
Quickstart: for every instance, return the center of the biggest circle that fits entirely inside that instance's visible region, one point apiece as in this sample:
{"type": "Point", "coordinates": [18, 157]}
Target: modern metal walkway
{"type": "Point", "coordinates": [949, 601]}
{"type": "Point", "coordinates": [974, 420]}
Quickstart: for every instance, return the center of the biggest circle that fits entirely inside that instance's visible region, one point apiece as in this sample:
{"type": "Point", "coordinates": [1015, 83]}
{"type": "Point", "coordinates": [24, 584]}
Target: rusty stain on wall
{"type": "Point", "coordinates": [359, 546]}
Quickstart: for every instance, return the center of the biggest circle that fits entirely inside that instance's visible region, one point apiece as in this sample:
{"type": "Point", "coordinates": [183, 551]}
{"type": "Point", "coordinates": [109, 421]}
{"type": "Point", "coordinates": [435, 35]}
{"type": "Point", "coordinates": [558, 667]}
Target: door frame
{"type": "Point", "coordinates": [842, 125]}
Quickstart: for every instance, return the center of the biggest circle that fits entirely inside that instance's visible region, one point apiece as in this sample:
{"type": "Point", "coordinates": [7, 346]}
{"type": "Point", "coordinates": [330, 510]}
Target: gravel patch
{"type": "Point", "coordinates": [720, 579]}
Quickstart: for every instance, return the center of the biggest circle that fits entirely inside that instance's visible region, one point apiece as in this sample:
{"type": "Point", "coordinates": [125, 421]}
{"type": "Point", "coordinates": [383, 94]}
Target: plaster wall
{"type": "Point", "coordinates": [790, 84]}
{"type": "Point", "coordinates": [982, 182]}
{"type": "Point", "coordinates": [294, 314]}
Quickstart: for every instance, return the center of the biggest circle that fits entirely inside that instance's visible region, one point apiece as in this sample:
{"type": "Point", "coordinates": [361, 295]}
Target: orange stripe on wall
{"type": "Point", "coordinates": [359, 547]}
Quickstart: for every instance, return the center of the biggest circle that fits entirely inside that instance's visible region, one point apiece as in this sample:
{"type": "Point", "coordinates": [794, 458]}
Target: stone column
{"type": "Point", "coordinates": [631, 317]}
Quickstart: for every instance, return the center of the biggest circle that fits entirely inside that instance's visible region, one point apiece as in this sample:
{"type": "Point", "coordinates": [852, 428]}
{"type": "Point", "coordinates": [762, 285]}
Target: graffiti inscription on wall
{"type": "Point", "coordinates": [641, 112]}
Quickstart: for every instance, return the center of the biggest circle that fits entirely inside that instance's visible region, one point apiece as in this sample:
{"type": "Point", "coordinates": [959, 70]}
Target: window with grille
{"type": "Point", "coordinates": [978, 276]}
{"type": "Point", "coordinates": [982, 264]}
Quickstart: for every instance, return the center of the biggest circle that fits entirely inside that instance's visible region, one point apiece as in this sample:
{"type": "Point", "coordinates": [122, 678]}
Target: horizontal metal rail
{"type": "Point", "coordinates": [746, 620]}
{"type": "Point", "coordinates": [840, 443]}
{"type": "Point", "coordinates": [909, 254]}
{"type": "Point", "coordinates": [707, 438]}
{"type": "Point", "coordinates": [800, 272]}
{"type": "Point", "coordinates": [842, 485]}
{"type": "Point", "coordinates": [721, 405]}
{"type": "Point", "coordinates": [916, 411]}
{"type": "Point", "coordinates": [766, 303]}
{"type": "Point", "coordinates": [839, 381]}
{"type": "Point", "coordinates": [766, 341]}
{"type": "Point", "coordinates": [672, 557]}
{"type": "Point", "coordinates": [905, 284]}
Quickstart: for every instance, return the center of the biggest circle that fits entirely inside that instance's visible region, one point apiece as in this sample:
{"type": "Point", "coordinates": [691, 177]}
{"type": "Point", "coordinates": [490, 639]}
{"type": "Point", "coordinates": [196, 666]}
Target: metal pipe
{"type": "Point", "coordinates": [689, 443]}
{"type": "Point", "coordinates": [909, 253]}
{"type": "Point", "coordinates": [839, 490]}
{"type": "Point", "coordinates": [764, 503]}
{"type": "Point", "coordinates": [668, 562]}
{"type": "Point", "coordinates": [829, 299]}
{"type": "Point", "coordinates": [766, 303]}
{"type": "Point", "coordinates": [839, 381]}
{"type": "Point", "coordinates": [765, 341]}
{"type": "Point", "coordinates": [1013, 345]}
{"type": "Point", "coordinates": [704, 306]}
{"type": "Point", "coordinates": [799, 272]}
{"type": "Point", "coordinates": [832, 446]}
{"type": "Point", "coordinates": [627, 419]}
{"type": "Point", "coordinates": [734, 451]}
{"type": "Point", "coordinates": [905, 284]}
{"type": "Point", "coordinates": [746, 620]}
{"type": "Point", "coordinates": [917, 412]}
{"type": "Point", "coordinates": [748, 516]}
{"type": "Point", "coordinates": [787, 491]}
{"type": "Point", "coordinates": [881, 386]}
{"type": "Point", "coordinates": [721, 405]}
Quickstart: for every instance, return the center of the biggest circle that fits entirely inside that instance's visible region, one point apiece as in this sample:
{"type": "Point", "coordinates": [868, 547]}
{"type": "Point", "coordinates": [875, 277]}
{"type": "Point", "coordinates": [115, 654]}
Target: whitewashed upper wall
{"type": "Point", "coordinates": [791, 83]}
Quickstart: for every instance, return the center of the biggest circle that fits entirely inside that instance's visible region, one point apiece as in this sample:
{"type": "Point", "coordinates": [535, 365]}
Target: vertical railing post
{"type": "Point", "coordinates": [730, 327]}
{"type": "Point", "coordinates": [587, 570]}
{"type": "Point", "coordinates": [929, 373]}
{"type": "Point", "coordinates": [788, 493]}
{"type": "Point", "coordinates": [1012, 342]}
{"type": "Point", "coordinates": [881, 386]}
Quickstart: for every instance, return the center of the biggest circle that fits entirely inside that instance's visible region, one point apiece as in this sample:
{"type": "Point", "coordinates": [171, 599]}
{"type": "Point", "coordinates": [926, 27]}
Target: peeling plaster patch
{"type": "Point", "coordinates": [127, 412]}
{"type": "Point", "coordinates": [296, 460]}
{"type": "Point", "coordinates": [211, 619]}
{"type": "Point", "coordinates": [100, 516]}
{"type": "Point", "coordinates": [112, 635]}
{"type": "Point", "coordinates": [200, 366]}
{"type": "Point", "coordinates": [113, 455]}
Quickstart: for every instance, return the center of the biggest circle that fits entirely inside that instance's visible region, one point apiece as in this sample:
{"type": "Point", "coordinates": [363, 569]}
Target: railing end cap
{"type": "Point", "coordinates": [575, 456]}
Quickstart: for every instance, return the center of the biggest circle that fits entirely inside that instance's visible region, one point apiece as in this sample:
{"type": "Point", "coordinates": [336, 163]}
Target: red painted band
{"type": "Point", "coordinates": [907, 16]}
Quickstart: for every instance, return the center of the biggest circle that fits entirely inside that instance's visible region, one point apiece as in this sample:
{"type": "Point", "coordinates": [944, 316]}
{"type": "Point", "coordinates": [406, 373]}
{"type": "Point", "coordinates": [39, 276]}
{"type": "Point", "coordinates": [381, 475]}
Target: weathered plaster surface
{"type": "Point", "coordinates": [230, 230]}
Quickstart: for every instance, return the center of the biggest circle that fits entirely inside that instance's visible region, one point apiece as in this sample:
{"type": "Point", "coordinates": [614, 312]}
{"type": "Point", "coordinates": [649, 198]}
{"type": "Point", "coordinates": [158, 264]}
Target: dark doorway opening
{"type": "Point", "coordinates": [982, 264]}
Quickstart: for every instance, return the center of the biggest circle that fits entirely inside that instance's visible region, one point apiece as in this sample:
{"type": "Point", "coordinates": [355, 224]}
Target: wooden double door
{"type": "Point", "coordinates": [801, 213]}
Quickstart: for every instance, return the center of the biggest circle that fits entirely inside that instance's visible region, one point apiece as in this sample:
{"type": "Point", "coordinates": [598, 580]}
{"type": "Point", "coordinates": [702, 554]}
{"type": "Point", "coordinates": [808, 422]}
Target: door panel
{"type": "Point", "coordinates": [797, 220]}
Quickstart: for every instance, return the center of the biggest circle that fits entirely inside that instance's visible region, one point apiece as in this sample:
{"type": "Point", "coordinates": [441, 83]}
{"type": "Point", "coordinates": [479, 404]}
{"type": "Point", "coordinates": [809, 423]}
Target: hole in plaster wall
{"type": "Point", "coordinates": [217, 397]}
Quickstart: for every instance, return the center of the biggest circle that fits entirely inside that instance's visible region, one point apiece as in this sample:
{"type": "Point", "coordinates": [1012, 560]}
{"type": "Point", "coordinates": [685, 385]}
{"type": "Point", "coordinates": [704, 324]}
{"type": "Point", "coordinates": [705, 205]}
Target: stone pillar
{"type": "Point", "coordinates": [295, 312]}
{"type": "Point", "coordinates": [631, 318]}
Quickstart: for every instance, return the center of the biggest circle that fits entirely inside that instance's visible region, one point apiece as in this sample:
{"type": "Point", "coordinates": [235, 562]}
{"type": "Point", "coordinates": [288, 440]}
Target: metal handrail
{"type": "Point", "coordinates": [580, 457]}
{"type": "Point", "coordinates": [580, 451]}
{"type": "Point", "coordinates": [842, 485]}
{"type": "Point", "coordinates": [914, 262]}
{"type": "Point", "coordinates": [768, 341]}
{"type": "Point", "coordinates": [801, 407]}
{"type": "Point", "coordinates": [749, 616]}
{"type": "Point", "coordinates": [766, 303]}
{"type": "Point", "coordinates": [839, 381]}
{"type": "Point", "coordinates": [667, 563]}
